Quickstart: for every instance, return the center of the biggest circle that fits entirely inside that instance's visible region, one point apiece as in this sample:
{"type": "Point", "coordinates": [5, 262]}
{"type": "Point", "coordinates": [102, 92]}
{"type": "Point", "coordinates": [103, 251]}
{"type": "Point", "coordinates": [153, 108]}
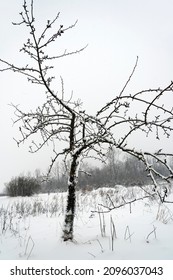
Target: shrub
{"type": "Point", "coordinates": [22, 186]}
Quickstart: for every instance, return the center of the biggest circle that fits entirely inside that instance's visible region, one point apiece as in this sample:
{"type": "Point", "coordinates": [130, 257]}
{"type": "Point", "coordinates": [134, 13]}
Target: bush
{"type": "Point", "coordinates": [22, 186]}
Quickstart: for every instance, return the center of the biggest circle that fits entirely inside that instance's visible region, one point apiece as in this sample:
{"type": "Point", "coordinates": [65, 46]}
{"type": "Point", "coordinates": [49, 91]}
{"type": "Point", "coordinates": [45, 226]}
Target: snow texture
{"type": "Point", "coordinates": [31, 228]}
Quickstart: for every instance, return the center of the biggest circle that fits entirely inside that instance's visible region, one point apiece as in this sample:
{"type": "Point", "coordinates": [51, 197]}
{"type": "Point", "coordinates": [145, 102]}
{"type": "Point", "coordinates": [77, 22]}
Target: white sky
{"type": "Point", "coordinates": [116, 31]}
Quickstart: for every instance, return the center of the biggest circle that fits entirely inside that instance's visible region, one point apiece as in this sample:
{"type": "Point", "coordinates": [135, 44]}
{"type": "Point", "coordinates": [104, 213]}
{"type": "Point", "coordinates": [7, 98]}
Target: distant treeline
{"type": "Point", "coordinates": [127, 171]}
{"type": "Point", "coordinates": [119, 170]}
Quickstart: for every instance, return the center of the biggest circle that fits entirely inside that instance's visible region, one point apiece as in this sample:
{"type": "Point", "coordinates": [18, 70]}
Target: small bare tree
{"type": "Point", "coordinates": [63, 120]}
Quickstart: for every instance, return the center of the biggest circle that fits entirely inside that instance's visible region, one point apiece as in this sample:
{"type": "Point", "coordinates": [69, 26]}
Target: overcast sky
{"type": "Point", "coordinates": [116, 31]}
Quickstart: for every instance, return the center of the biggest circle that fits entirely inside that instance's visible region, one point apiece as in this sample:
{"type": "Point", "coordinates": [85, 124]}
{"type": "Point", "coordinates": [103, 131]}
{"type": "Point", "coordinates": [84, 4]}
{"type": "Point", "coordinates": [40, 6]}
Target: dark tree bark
{"type": "Point", "coordinates": [71, 201]}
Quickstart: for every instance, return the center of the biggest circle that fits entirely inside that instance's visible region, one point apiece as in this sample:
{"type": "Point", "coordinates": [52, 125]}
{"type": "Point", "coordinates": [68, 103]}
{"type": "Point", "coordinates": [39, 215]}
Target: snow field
{"type": "Point", "coordinates": [31, 227]}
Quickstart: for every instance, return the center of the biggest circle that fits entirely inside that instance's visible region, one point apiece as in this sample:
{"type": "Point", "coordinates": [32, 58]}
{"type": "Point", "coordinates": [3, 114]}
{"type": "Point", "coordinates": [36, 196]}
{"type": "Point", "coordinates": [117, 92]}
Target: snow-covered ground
{"type": "Point", "coordinates": [31, 228]}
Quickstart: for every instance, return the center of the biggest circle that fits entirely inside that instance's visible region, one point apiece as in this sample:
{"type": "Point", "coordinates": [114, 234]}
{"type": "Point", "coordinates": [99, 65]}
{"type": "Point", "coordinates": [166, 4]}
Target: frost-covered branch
{"type": "Point", "coordinates": [60, 119]}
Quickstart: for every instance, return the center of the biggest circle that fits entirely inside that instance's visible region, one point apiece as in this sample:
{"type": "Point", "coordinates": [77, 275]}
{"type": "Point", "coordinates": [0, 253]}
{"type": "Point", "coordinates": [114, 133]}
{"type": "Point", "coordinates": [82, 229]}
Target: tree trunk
{"type": "Point", "coordinates": [71, 200]}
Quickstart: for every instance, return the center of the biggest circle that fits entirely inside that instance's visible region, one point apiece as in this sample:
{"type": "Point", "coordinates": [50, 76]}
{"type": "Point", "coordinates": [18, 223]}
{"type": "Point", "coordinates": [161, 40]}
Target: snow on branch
{"type": "Point", "coordinates": [65, 120]}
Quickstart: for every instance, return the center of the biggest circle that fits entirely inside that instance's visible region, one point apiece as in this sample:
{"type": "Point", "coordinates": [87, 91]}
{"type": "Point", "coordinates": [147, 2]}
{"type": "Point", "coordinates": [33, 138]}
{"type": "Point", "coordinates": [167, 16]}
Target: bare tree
{"type": "Point", "coordinates": [63, 120]}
